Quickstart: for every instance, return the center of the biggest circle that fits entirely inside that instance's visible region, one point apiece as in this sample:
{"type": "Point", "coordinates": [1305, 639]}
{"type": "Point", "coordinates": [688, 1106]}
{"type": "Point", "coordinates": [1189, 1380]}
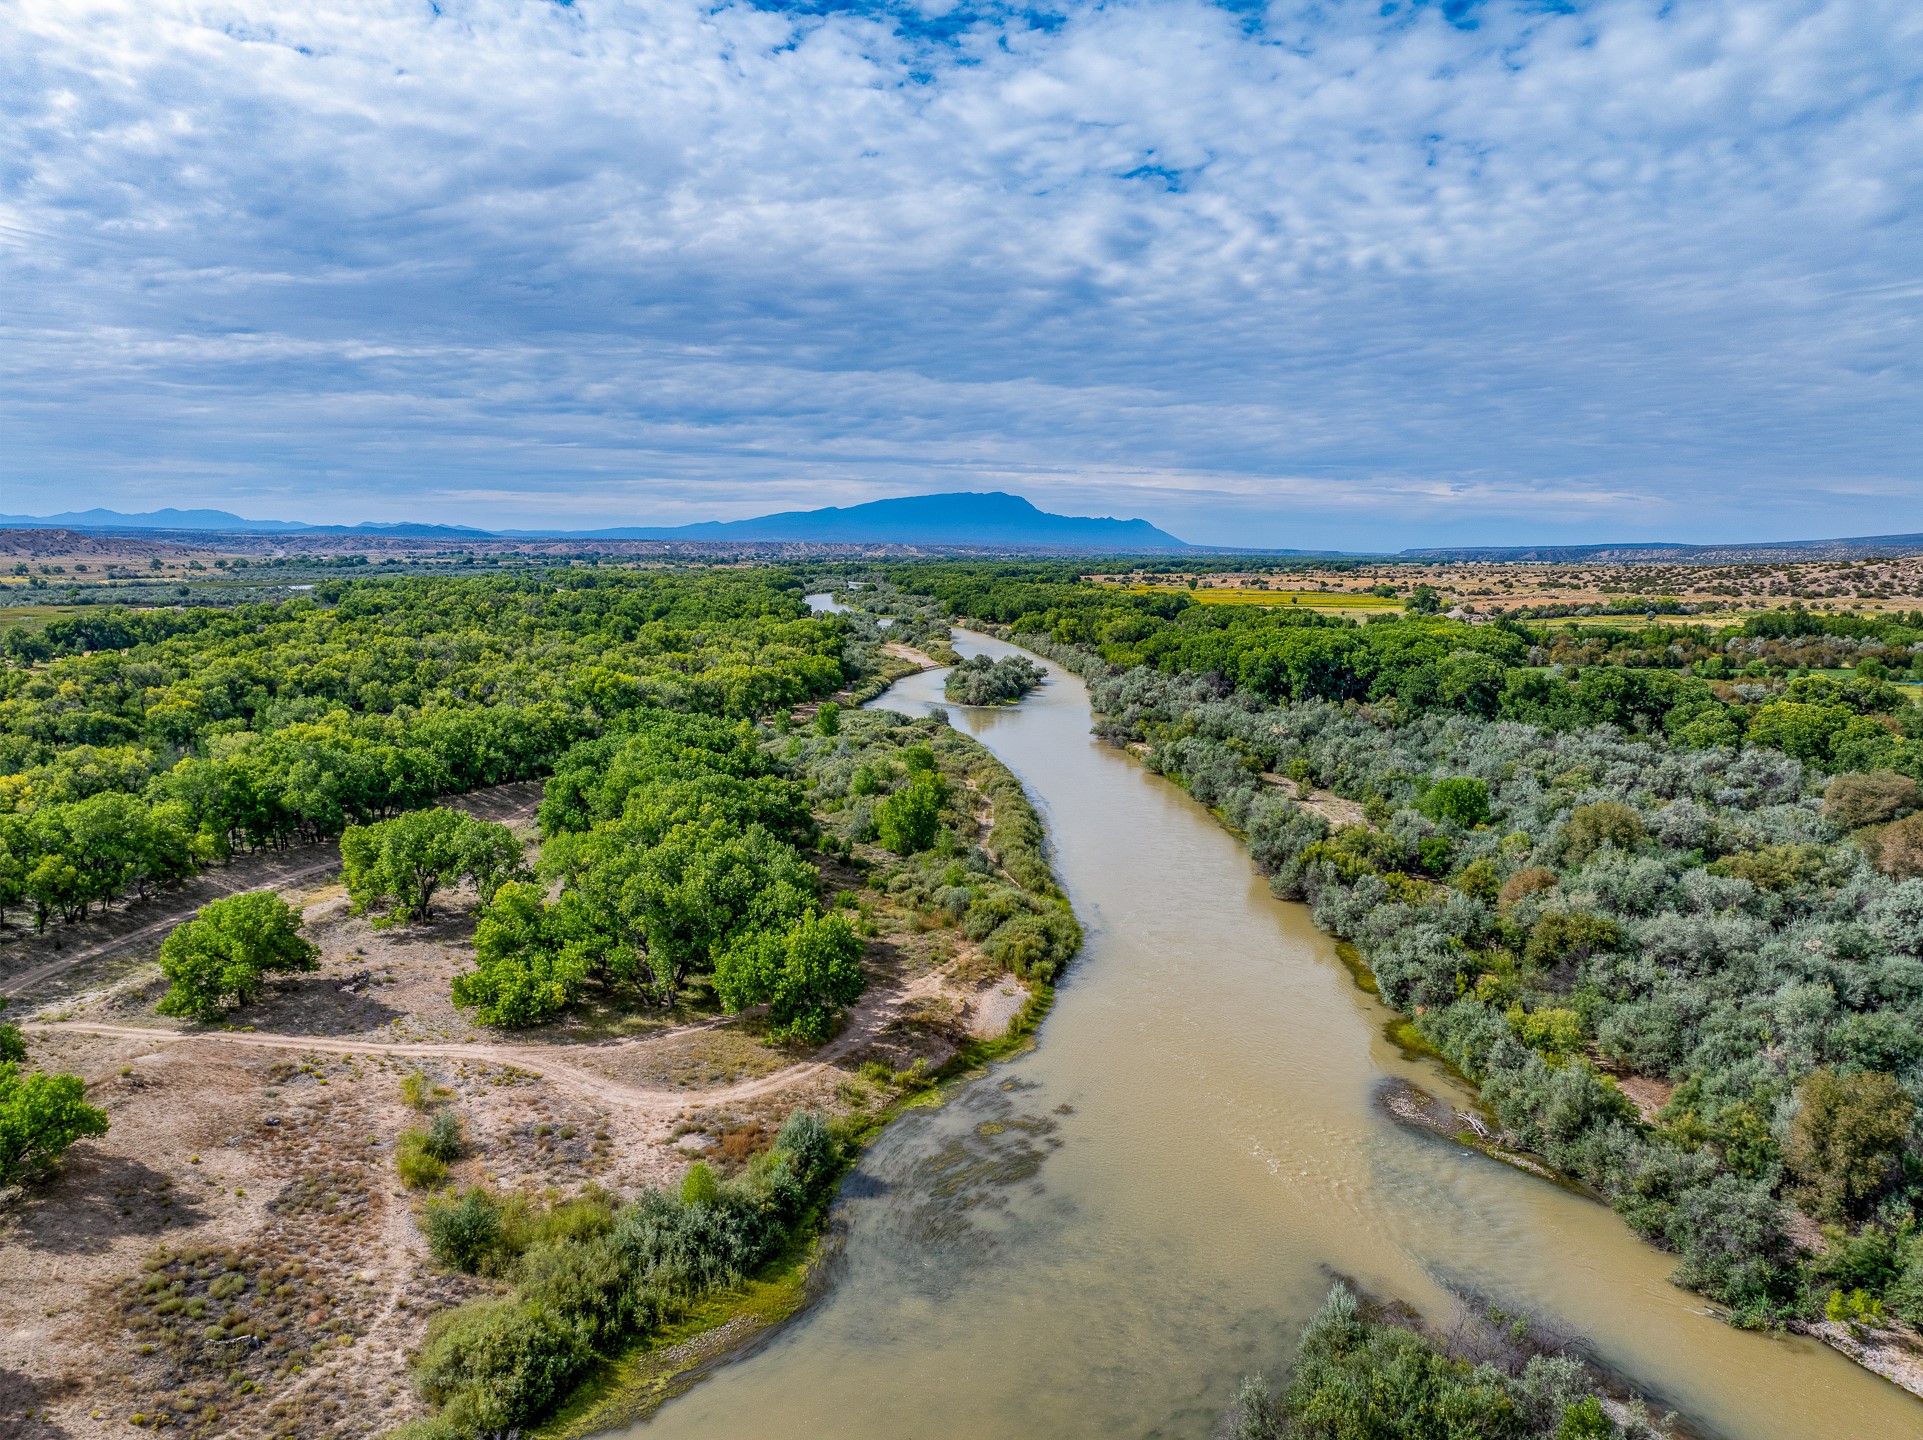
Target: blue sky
{"type": "Point", "coordinates": [1360, 275]}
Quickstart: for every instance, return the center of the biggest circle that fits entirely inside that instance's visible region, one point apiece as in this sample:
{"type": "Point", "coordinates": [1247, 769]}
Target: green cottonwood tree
{"type": "Point", "coordinates": [655, 913]}
{"type": "Point", "coordinates": [40, 1116]}
{"type": "Point", "coordinates": [218, 958]}
{"type": "Point", "coordinates": [806, 974]}
{"type": "Point", "coordinates": [909, 820]}
{"type": "Point", "coordinates": [400, 863]}
{"type": "Point", "coordinates": [524, 971]}
{"type": "Point", "coordinates": [1462, 799]}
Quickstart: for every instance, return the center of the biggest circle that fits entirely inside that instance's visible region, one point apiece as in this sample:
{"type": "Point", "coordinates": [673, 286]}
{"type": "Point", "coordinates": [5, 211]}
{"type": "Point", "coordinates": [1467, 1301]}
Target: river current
{"type": "Point", "coordinates": [1099, 1237]}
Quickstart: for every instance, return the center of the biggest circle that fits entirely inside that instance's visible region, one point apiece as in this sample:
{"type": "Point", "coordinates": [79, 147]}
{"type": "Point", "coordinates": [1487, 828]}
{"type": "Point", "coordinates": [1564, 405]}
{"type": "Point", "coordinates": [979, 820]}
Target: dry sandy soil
{"type": "Point", "coordinates": [251, 1165]}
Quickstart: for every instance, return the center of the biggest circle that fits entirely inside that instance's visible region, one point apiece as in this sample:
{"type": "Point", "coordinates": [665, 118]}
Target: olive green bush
{"type": "Point", "coordinates": [587, 1279]}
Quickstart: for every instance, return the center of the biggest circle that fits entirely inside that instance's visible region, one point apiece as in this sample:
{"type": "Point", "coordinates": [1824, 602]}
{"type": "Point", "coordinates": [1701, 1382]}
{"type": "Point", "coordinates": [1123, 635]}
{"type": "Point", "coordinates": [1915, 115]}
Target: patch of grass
{"type": "Point", "coordinates": [1402, 1033]}
{"type": "Point", "coordinates": [1298, 599]}
{"type": "Point", "coordinates": [34, 618]}
{"type": "Point", "coordinates": [419, 1169]}
{"type": "Point", "coordinates": [333, 1195]}
{"type": "Point", "coordinates": [226, 1320]}
{"type": "Point", "coordinates": [707, 1058]}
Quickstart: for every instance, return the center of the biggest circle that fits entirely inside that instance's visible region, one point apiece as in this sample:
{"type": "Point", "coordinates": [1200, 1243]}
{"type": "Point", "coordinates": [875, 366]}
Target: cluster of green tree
{"type": "Point", "coordinates": [1547, 903]}
{"type": "Point", "coordinates": [162, 741]}
{"type": "Point", "coordinates": [906, 786]}
{"type": "Point", "coordinates": [218, 960]}
{"type": "Point", "coordinates": [588, 1281]}
{"type": "Point", "coordinates": [1775, 644]}
{"type": "Point", "coordinates": [40, 1114]}
{"type": "Point", "coordinates": [1358, 1377]}
{"type": "Point", "coordinates": [395, 866]}
{"type": "Point", "coordinates": [1419, 664]}
{"type": "Point", "coordinates": [981, 681]}
{"type": "Point", "coordinates": [673, 844]}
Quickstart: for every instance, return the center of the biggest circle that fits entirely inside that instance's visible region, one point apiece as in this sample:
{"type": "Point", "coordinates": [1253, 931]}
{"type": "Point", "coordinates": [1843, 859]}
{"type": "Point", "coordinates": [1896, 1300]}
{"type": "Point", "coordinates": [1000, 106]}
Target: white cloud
{"type": "Point", "coordinates": [1352, 276]}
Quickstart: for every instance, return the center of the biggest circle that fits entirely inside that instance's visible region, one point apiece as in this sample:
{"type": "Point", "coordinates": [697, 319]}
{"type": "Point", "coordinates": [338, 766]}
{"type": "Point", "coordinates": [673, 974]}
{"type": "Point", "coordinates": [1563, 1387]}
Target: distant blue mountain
{"type": "Point", "coordinates": [967, 518]}
{"type": "Point", "coordinates": [963, 518]}
{"type": "Point", "coordinates": [151, 520]}
{"type": "Point", "coordinates": [221, 521]}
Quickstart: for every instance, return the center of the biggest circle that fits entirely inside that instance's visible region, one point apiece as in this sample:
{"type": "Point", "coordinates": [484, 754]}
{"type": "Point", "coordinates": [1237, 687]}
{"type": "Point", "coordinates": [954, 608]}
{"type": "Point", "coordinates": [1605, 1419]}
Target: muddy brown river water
{"type": "Point", "coordinates": [1099, 1237]}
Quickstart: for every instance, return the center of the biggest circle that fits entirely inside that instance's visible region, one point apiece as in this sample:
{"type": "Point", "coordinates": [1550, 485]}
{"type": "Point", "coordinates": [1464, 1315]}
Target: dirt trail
{"type": "Point", "coordinates": [550, 1061]}
{"type": "Point", "coordinates": [182, 906]}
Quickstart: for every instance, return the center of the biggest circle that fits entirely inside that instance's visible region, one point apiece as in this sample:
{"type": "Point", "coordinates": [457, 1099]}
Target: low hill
{"type": "Point", "coordinates": [218, 522]}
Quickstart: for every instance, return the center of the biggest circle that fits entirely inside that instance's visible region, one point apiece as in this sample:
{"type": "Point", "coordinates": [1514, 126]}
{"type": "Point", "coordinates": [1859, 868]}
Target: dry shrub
{"type": "Point", "coordinates": [1898, 848]}
{"type": "Point", "coordinates": [1530, 881]}
{"type": "Point", "coordinates": [1869, 798]}
{"type": "Point", "coordinates": [220, 1318]}
{"type": "Point", "coordinates": [742, 1142]}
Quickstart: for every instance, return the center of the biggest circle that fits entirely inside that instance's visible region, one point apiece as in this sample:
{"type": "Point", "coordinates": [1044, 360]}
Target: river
{"type": "Point", "coordinates": [1098, 1238]}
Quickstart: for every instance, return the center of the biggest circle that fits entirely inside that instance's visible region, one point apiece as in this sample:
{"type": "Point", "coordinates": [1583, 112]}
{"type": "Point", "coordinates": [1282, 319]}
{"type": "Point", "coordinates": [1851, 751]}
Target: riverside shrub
{"type": "Point", "coordinates": [1357, 1378]}
{"type": "Point", "coordinates": [496, 1364]}
{"type": "Point", "coordinates": [979, 680]}
{"type": "Point", "coordinates": [1694, 915]}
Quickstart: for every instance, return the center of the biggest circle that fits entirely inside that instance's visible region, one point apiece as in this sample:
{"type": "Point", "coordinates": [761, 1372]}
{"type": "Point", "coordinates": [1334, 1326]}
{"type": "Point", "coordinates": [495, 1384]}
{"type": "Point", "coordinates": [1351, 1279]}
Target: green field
{"type": "Point", "coordinates": [33, 617]}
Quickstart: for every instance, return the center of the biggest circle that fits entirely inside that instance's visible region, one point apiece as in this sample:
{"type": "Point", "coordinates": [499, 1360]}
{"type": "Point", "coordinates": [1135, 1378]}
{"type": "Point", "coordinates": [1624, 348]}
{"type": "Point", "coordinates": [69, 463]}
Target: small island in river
{"type": "Point", "coordinates": [981, 681]}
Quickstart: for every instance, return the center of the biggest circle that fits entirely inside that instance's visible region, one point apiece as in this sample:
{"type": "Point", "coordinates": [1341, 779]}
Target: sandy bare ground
{"type": "Point", "coordinates": [1895, 1351]}
{"type": "Point", "coordinates": [909, 652]}
{"type": "Point", "coordinates": [1326, 803]}
{"type": "Point", "coordinates": [266, 1149]}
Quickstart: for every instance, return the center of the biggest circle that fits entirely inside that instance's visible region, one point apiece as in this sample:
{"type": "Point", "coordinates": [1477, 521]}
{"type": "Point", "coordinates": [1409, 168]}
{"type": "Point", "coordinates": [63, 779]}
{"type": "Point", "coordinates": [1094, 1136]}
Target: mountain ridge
{"type": "Point", "coordinates": [964, 518]}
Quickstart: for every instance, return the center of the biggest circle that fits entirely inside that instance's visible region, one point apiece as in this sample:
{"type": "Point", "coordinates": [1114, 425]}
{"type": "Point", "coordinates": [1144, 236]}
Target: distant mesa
{"type": "Point", "coordinates": [965, 519]}
{"type": "Point", "coordinates": [968, 520]}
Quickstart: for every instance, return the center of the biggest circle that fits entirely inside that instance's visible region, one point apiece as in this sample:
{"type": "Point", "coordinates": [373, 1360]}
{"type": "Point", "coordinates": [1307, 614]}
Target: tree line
{"type": "Point", "coordinates": [213, 731]}
{"type": "Point", "coordinates": [1697, 688]}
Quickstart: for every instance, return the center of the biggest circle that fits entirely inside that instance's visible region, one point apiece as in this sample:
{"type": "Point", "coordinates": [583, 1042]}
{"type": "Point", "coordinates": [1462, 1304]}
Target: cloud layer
{"type": "Point", "coordinates": [1311, 274]}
